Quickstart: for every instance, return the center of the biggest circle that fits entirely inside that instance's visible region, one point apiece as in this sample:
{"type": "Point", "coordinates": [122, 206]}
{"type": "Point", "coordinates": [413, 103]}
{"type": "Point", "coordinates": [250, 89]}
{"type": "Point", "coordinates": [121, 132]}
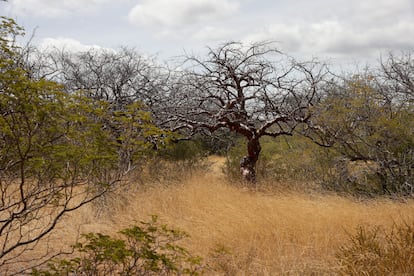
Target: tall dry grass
{"type": "Point", "coordinates": [243, 232]}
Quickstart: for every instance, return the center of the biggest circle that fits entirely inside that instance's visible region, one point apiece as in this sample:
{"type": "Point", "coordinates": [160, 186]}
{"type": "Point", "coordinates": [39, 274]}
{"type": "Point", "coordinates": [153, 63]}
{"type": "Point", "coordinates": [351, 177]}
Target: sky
{"type": "Point", "coordinates": [344, 31]}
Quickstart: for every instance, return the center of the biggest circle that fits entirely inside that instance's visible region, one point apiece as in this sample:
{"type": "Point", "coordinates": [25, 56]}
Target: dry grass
{"type": "Point", "coordinates": [241, 232]}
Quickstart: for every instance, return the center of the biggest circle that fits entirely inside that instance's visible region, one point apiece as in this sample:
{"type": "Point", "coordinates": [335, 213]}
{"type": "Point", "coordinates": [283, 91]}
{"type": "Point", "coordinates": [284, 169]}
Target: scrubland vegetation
{"type": "Point", "coordinates": [238, 231]}
{"type": "Point", "coordinates": [238, 164]}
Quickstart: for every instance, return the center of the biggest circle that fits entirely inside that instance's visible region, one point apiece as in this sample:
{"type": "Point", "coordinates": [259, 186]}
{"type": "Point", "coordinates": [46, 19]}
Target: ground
{"type": "Point", "coordinates": [239, 231]}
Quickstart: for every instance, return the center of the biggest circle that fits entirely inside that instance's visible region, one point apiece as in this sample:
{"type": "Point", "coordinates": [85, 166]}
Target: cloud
{"type": "Point", "coordinates": [377, 12]}
{"type": "Point", "coordinates": [337, 38]}
{"type": "Point", "coordinates": [288, 36]}
{"type": "Point", "coordinates": [351, 28]}
{"type": "Point", "coordinates": [325, 28]}
{"type": "Point", "coordinates": [53, 8]}
{"type": "Point", "coordinates": [68, 44]}
{"type": "Point", "coordinates": [213, 33]}
{"type": "Point", "coordinates": [180, 13]}
{"type": "Point", "coordinates": [398, 36]}
{"type": "Point", "coordinates": [358, 29]}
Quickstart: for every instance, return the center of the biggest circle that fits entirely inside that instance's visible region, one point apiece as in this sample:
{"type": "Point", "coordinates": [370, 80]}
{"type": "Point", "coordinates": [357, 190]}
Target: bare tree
{"type": "Point", "coordinates": [253, 90]}
{"type": "Point", "coordinates": [127, 81]}
{"type": "Point", "coordinates": [395, 79]}
{"type": "Point", "coordinates": [120, 77]}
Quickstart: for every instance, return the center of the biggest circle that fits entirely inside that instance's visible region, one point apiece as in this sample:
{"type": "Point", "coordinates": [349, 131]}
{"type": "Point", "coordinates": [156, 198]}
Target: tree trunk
{"type": "Point", "coordinates": [248, 162]}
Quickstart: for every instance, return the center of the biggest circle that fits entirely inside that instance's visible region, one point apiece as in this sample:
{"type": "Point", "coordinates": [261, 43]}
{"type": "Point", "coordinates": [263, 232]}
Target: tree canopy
{"type": "Point", "coordinates": [58, 150]}
{"type": "Point", "coordinates": [251, 90]}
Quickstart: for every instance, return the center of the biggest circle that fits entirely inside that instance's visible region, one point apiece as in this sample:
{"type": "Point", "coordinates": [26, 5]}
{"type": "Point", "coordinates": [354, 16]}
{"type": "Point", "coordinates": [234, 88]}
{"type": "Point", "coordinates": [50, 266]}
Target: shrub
{"type": "Point", "coordinates": [58, 151]}
{"type": "Point", "coordinates": [146, 249]}
{"type": "Point", "coordinates": [283, 158]}
{"type": "Point", "coordinates": [184, 150]}
{"type": "Point", "coordinates": [374, 251]}
{"type": "Point", "coordinates": [364, 126]}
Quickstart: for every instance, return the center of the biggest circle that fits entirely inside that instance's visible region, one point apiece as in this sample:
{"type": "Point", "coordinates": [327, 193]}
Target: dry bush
{"type": "Point", "coordinates": [160, 170]}
{"type": "Point", "coordinates": [376, 251]}
{"type": "Point", "coordinates": [156, 172]}
{"type": "Point", "coordinates": [243, 232]}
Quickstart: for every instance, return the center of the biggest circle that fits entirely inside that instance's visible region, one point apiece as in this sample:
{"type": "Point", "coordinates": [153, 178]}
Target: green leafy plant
{"type": "Point", "coordinates": [58, 152]}
{"type": "Point", "coordinates": [373, 136]}
{"type": "Point", "coordinates": [284, 159]}
{"type": "Point", "coordinates": [147, 249]}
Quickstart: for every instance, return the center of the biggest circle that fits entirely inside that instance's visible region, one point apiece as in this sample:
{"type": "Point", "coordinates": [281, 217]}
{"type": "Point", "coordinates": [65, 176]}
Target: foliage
{"type": "Point", "coordinates": [369, 133]}
{"type": "Point", "coordinates": [176, 160]}
{"type": "Point", "coordinates": [284, 159]}
{"type": "Point", "coordinates": [374, 251]}
{"type": "Point", "coordinates": [146, 249]}
{"type": "Point", "coordinates": [252, 90]}
{"type": "Point", "coordinates": [9, 30]}
{"type": "Point", "coordinates": [185, 150]}
{"type": "Point", "coordinates": [58, 151]}
{"type": "Point", "coordinates": [135, 133]}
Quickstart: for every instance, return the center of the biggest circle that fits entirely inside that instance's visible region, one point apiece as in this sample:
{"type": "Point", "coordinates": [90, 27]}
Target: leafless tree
{"type": "Point", "coordinates": [118, 76]}
{"type": "Point", "coordinates": [253, 90]}
{"type": "Point", "coordinates": [396, 79]}
{"type": "Point", "coordinates": [122, 78]}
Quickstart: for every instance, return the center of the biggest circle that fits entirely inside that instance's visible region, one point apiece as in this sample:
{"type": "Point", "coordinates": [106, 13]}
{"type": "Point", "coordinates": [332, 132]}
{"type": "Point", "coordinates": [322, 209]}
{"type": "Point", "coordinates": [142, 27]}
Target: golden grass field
{"type": "Point", "coordinates": [242, 232]}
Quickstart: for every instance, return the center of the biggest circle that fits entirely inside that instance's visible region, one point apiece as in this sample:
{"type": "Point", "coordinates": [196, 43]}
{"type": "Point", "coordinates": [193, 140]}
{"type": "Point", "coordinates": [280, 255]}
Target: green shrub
{"type": "Point", "coordinates": [364, 126]}
{"type": "Point", "coordinates": [176, 161]}
{"type": "Point", "coordinates": [283, 158]}
{"type": "Point", "coordinates": [297, 160]}
{"type": "Point", "coordinates": [148, 249]}
{"type": "Point", "coordinates": [374, 251]}
{"type": "Point", "coordinates": [184, 150]}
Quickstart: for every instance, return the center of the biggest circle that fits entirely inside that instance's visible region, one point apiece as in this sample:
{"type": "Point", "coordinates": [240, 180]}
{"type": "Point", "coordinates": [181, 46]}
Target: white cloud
{"type": "Point", "coordinates": [336, 37]}
{"type": "Point", "coordinates": [53, 8]}
{"type": "Point", "coordinates": [348, 41]}
{"type": "Point", "coordinates": [325, 28]}
{"type": "Point", "coordinates": [288, 36]}
{"type": "Point", "coordinates": [180, 13]}
{"type": "Point", "coordinates": [377, 12]}
{"type": "Point", "coordinates": [357, 29]}
{"type": "Point", "coordinates": [322, 27]}
{"type": "Point", "coordinates": [213, 33]}
{"type": "Point", "coordinates": [68, 44]}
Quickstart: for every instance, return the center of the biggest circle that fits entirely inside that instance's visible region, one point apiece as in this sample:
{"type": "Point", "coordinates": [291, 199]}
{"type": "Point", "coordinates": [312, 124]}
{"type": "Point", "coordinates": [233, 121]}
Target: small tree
{"type": "Point", "coordinates": [56, 154]}
{"type": "Point", "coordinates": [149, 248]}
{"type": "Point", "coordinates": [254, 91]}
{"type": "Point", "coordinates": [364, 119]}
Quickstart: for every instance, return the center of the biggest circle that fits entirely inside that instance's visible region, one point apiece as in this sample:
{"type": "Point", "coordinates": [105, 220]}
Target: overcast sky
{"type": "Point", "coordinates": [338, 30]}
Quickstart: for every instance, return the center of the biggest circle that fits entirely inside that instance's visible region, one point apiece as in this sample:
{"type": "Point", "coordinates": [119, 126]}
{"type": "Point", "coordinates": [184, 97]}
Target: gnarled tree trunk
{"type": "Point", "coordinates": [248, 162]}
